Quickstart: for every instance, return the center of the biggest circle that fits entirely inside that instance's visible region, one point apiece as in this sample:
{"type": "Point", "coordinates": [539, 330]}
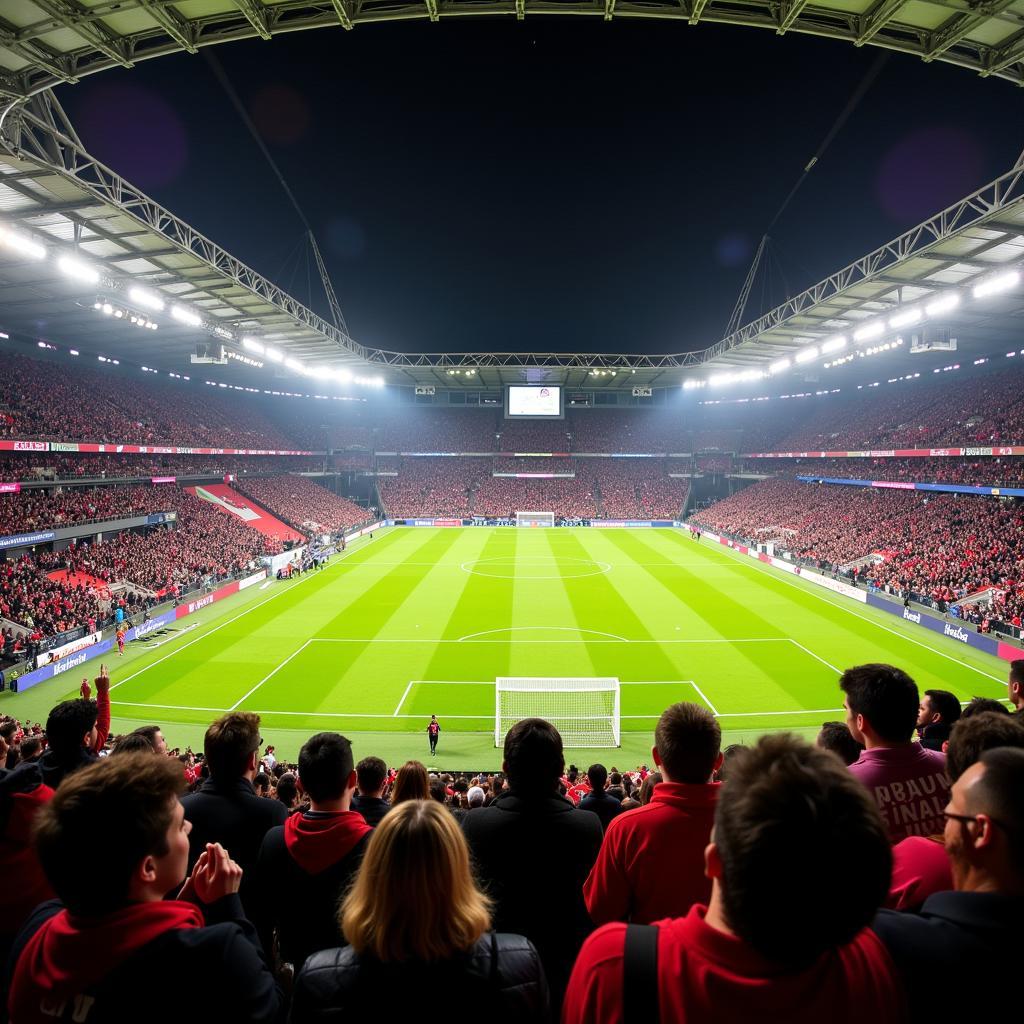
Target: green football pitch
{"type": "Point", "coordinates": [417, 621]}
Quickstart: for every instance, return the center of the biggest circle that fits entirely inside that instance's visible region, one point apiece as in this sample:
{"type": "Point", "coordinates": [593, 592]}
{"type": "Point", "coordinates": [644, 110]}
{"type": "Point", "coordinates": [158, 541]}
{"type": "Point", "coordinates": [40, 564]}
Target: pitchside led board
{"type": "Point", "coordinates": [534, 402]}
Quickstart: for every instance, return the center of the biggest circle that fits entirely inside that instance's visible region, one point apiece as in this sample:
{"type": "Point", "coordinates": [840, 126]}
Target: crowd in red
{"type": "Point", "coordinates": [58, 466]}
{"type": "Point", "coordinates": [980, 471]}
{"type": "Point", "coordinates": [303, 504]}
{"type": "Point", "coordinates": [36, 510]}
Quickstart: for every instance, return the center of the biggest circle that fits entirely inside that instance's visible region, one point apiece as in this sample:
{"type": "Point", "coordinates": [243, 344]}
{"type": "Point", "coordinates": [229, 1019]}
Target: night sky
{"type": "Point", "coordinates": [553, 184]}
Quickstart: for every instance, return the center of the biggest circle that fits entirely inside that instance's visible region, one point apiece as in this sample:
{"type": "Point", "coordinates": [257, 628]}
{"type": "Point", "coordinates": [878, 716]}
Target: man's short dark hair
{"type": "Point", "coordinates": [370, 774]}
{"type": "Point", "coordinates": [689, 739]}
{"type": "Point", "coordinates": [1017, 671]}
{"type": "Point", "coordinates": [971, 737]}
{"type": "Point", "coordinates": [979, 705]}
{"type": "Point", "coordinates": [806, 859]}
{"type": "Point", "coordinates": [887, 698]}
{"type": "Point", "coordinates": [149, 731]}
{"type": "Point", "coordinates": [438, 791]}
{"type": "Point", "coordinates": [533, 756]}
{"type": "Point", "coordinates": [836, 736]}
{"type": "Point", "coordinates": [30, 747]}
{"type": "Point", "coordinates": [288, 789]}
{"type": "Point", "coordinates": [132, 743]}
{"type": "Point", "coordinates": [598, 776]}
{"type": "Point", "coordinates": [946, 704]}
{"type": "Point", "coordinates": [325, 764]}
{"type": "Point", "coordinates": [67, 724]}
{"type": "Point", "coordinates": [102, 821]}
{"type": "Point", "coordinates": [229, 743]}
{"type": "Point", "coordinates": [1001, 792]}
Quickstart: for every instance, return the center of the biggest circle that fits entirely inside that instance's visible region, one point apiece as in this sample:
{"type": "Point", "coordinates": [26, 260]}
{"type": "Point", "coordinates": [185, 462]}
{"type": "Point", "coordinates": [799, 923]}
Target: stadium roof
{"type": "Point", "coordinates": [52, 191]}
{"type": "Point", "coordinates": [48, 42]}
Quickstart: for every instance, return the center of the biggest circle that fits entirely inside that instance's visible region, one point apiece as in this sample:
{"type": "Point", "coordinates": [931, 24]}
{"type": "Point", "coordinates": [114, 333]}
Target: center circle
{"type": "Point", "coordinates": [508, 567]}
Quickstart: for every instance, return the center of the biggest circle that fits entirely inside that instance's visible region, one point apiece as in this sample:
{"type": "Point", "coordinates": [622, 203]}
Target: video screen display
{"type": "Point", "coordinates": [534, 401]}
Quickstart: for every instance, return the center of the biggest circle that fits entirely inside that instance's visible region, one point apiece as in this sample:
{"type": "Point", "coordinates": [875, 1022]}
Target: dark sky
{"type": "Point", "coordinates": [549, 184]}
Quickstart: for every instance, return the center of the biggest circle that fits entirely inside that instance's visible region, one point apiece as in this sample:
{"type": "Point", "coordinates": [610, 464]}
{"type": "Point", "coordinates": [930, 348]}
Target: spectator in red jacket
{"type": "Point", "coordinates": [800, 860]}
{"type": "Point", "coordinates": [651, 863]}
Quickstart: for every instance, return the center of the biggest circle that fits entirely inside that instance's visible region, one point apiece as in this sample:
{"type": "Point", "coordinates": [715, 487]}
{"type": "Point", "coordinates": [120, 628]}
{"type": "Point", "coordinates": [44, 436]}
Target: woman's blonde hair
{"type": "Point", "coordinates": [414, 897]}
{"type": "Point", "coordinates": [411, 783]}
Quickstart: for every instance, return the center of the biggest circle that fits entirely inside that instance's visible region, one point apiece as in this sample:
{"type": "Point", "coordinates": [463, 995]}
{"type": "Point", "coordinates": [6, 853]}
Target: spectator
{"type": "Point", "coordinates": [729, 754]}
{"type": "Point", "coordinates": [288, 790]}
{"type": "Point", "coordinates": [647, 787]}
{"type": "Point", "coordinates": [417, 929]}
{"type": "Point", "coordinates": [1015, 685]}
{"type": "Point", "coordinates": [533, 850]}
{"type": "Point", "coordinates": [651, 863]}
{"type": "Point", "coordinates": [76, 732]}
{"type": "Point", "coordinates": [937, 713]}
{"type": "Point", "coordinates": [920, 865]}
{"type": "Point", "coordinates": [780, 939]}
{"type": "Point", "coordinates": [960, 934]}
{"type": "Point", "coordinates": [112, 842]}
{"type": "Point", "coordinates": [475, 797]}
{"type": "Point", "coordinates": [836, 736]}
{"type": "Point", "coordinates": [132, 743]}
{"type": "Point", "coordinates": [410, 784]}
{"type": "Point", "coordinates": [979, 705]}
{"type": "Point", "coordinates": [306, 865]}
{"type": "Point", "coordinates": [225, 809]}
{"type": "Point", "coordinates": [908, 782]}
{"type": "Point", "coordinates": [598, 799]}
{"type": "Point", "coordinates": [616, 789]}
{"type": "Point", "coordinates": [371, 779]}
{"type": "Point", "coordinates": [155, 737]}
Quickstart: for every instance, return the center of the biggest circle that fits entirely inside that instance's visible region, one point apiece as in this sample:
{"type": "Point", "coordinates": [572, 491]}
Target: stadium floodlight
{"type": "Point", "coordinates": [22, 245]}
{"type": "Point", "coordinates": [905, 317]}
{"type": "Point", "coordinates": [868, 331]}
{"type": "Point", "coordinates": [585, 711]}
{"type": "Point", "coordinates": [998, 283]}
{"type": "Point", "coordinates": [943, 304]}
{"type": "Point", "coordinates": [274, 355]}
{"type": "Point", "coordinates": [78, 270]}
{"type": "Point", "coordinates": [294, 364]}
{"type": "Point", "coordinates": [834, 344]}
{"type": "Point", "coordinates": [144, 297]}
{"type": "Point", "coordinates": [342, 376]}
{"type": "Point", "coordinates": [252, 345]}
{"type": "Point", "coordinates": [807, 355]}
{"type": "Point", "coordinates": [779, 366]}
{"type": "Point", "coordinates": [186, 316]}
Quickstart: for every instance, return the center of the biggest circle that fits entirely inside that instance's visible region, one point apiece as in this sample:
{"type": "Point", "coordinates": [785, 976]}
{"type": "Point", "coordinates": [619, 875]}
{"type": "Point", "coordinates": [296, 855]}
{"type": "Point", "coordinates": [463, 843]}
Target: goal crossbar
{"type": "Point", "coordinates": [535, 518]}
{"type": "Point", "coordinates": [585, 710]}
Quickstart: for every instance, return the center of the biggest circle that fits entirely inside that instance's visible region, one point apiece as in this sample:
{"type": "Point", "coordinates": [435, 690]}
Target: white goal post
{"type": "Point", "coordinates": [535, 519]}
{"type": "Point", "coordinates": [584, 710]}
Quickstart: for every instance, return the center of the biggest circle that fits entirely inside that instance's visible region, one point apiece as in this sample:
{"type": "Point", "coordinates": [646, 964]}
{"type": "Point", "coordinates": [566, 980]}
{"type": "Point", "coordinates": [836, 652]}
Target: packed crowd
{"type": "Point", "coordinates": [982, 471]}
{"type": "Point", "coordinates": [303, 504]}
{"type": "Point", "coordinates": [430, 486]}
{"type": "Point", "coordinates": [502, 497]}
{"type": "Point", "coordinates": [55, 466]}
{"type": "Point", "coordinates": [37, 510]}
{"type": "Point", "coordinates": [778, 881]}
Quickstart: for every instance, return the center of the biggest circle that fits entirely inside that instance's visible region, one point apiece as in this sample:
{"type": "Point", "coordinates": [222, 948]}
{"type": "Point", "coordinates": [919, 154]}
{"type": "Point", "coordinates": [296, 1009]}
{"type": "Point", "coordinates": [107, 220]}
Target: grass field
{"type": "Point", "coordinates": [421, 621]}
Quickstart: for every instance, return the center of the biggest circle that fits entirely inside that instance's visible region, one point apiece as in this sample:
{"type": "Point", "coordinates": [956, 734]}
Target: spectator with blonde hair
{"type": "Point", "coordinates": [416, 923]}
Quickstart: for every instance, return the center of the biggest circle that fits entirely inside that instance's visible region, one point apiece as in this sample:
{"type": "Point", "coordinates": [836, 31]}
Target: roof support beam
{"type": "Point", "coordinates": [256, 14]}
{"type": "Point", "coordinates": [432, 9]}
{"type": "Point", "coordinates": [961, 25]}
{"type": "Point", "coordinates": [789, 13]}
{"type": "Point", "coordinates": [36, 52]}
{"type": "Point", "coordinates": [876, 19]}
{"type": "Point", "coordinates": [696, 10]}
{"type": "Point", "coordinates": [1007, 55]}
{"type": "Point", "coordinates": [74, 16]}
{"type": "Point", "coordinates": [170, 21]}
{"type": "Point", "coordinates": [609, 9]}
{"type": "Point", "coordinates": [341, 10]}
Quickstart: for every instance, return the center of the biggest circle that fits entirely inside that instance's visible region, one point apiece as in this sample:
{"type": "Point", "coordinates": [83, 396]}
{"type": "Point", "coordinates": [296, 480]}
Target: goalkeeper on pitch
{"type": "Point", "coordinates": [433, 731]}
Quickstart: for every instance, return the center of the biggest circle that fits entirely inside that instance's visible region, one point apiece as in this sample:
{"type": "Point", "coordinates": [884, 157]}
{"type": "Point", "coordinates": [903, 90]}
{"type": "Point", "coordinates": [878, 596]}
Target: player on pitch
{"type": "Point", "coordinates": [433, 731]}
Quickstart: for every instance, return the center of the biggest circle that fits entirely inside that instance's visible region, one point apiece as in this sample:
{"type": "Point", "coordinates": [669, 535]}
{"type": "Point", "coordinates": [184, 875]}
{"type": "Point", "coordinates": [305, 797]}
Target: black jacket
{"type": "Point", "coordinates": [302, 907]}
{"type": "Point", "coordinates": [54, 771]}
{"type": "Point", "coordinates": [532, 856]}
{"type": "Point", "coordinates": [233, 815]}
{"type": "Point", "coordinates": [957, 935]}
{"type": "Point", "coordinates": [500, 981]}
{"type": "Point", "coordinates": [221, 966]}
{"type": "Point", "coordinates": [372, 808]}
{"type": "Point", "coordinates": [604, 806]}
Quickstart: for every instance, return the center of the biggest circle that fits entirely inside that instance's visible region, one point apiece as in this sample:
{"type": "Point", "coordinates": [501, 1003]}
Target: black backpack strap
{"type": "Point", "coordinates": [640, 1002]}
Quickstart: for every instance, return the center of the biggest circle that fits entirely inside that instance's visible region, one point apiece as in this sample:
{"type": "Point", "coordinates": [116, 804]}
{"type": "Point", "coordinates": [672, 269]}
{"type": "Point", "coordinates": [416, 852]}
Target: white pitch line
{"type": "Point", "coordinates": [704, 698]}
{"type": "Point", "coordinates": [166, 707]}
{"type": "Point", "coordinates": [404, 695]}
{"type": "Point", "coordinates": [795, 711]}
{"type": "Point", "coordinates": [827, 664]}
{"type": "Point", "coordinates": [748, 563]}
{"type": "Point", "coordinates": [234, 618]}
{"type": "Point", "coordinates": [561, 629]}
{"type": "Point", "coordinates": [624, 640]}
{"type": "Point", "coordinates": [269, 675]}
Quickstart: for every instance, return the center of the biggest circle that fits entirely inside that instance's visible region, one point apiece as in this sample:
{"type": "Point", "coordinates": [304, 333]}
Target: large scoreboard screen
{"type": "Point", "coordinates": [534, 402]}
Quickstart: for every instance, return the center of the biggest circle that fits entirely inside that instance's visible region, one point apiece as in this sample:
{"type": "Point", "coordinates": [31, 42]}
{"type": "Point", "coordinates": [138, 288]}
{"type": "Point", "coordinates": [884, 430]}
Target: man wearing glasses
{"type": "Point", "coordinates": [970, 932]}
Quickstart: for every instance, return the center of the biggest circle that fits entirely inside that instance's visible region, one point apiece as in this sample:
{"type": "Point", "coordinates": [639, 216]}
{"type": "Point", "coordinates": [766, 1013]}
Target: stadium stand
{"type": "Point", "coordinates": [303, 504]}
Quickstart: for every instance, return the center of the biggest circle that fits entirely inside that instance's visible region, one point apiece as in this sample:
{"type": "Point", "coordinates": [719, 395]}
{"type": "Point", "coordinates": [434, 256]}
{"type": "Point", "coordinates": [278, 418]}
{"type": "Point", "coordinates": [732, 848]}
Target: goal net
{"type": "Point", "coordinates": [584, 710]}
{"type": "Point", "coordinates": [535, 519]}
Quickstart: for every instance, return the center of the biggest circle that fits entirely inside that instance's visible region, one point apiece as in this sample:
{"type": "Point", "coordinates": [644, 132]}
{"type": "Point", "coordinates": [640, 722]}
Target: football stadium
{"type": "Point", "coordinates": [412, 598]}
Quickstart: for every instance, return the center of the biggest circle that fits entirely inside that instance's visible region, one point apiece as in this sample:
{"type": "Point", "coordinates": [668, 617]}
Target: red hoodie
{"type": "Point", "coordinates": [68, 955]}
{"type": "Point", "coordinates": [318, 840]}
